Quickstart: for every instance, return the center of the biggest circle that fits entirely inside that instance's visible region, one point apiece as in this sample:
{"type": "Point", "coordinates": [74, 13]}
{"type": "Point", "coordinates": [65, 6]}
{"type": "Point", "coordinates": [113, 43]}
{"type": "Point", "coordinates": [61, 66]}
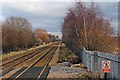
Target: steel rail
{"type": "Point", "coordinates": [33, 63]}
{"type": "Point", "coordinates": [46, 65]}
{"type": "Point", "coordinates": [21, 56]}
{"type": "Point", "coordinates": [11, 68]}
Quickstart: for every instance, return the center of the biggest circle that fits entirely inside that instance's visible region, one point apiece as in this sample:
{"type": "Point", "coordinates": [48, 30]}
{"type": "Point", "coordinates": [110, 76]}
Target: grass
{"type": "Point", "coordinates": [67, 56]}
{"type": "Point", "coordinates": [63, 54]}
{"type": "Point", "coordinates": [88, 75]}
{"type": "Point", "coordinates": [16, 53]}
{"type": "Point", "coordinates": [80, 66]}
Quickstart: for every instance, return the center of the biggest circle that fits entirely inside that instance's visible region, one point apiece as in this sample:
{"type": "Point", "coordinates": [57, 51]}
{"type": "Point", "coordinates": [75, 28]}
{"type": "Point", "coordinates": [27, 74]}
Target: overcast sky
{"type": "Point", "coordinates": [49, 14]}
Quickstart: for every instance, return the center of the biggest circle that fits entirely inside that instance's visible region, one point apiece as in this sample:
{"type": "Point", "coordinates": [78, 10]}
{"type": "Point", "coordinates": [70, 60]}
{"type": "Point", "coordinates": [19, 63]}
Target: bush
{"type": "Point", "coordinates": [87, 76]}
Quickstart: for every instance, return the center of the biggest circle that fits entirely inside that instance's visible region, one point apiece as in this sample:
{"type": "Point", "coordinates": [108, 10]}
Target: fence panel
{"type": "Point", "coordinates": [93, 61]}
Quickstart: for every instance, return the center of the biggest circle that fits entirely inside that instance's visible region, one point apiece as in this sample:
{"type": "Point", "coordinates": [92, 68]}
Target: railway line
{"type": "Point", "coordinates": [11, 59]}
{"type": "Point", "coordinates": [39, 67]}
{"type": "Point", "coordinates": [8, 66]}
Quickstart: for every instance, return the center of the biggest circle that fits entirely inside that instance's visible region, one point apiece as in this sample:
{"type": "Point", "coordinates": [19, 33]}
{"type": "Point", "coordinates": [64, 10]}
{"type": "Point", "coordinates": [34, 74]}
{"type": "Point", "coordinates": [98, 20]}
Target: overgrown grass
{"type": "Point", "coordinates": [16, 53]}
{"type": "Point", "coordinates": [67, 56]}
{"type": "Point", "coordinates": [63, 53]}
{"type": "Point", "coordinates": [88, 75]}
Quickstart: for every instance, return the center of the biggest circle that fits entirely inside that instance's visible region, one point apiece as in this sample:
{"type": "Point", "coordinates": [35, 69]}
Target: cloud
{"type": "Point", "coordinates": [37, 0]}
{"type": "Point", "coordinates": [40, 8]}
{"type": "Point", "coordinates": [58, 0]}
{"type": "Point", "coordinates": [110, 11]}
{"type": "Point", "coordinates": [56, 34]}
{"type": "Point", "coordinates": [49, 14]}
{"type": "Point", "coordinates": [44, 15]}
{"type": "Point", "coordinates": [115, 26]}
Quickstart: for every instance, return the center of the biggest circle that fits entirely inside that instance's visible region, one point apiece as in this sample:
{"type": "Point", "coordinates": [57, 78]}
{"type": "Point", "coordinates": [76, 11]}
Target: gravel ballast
{"type": "Point", "coordinates": [62, 70]}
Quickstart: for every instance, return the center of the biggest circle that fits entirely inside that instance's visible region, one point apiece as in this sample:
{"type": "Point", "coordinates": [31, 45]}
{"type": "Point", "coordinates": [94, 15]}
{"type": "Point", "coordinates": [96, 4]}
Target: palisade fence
{"type": "Point", "coordinates": [93, 61]}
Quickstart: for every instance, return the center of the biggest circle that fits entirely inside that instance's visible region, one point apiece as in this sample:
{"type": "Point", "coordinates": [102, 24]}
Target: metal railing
{"type": "Point", "coordinates": [93, 61]}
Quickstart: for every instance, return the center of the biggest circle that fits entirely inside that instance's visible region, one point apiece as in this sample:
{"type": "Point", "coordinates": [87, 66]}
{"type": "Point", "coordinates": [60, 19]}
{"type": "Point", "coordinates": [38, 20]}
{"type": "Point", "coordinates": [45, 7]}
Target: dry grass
{"type": "Point", "coordinates": [17, 53]}
{"type": "Point", "coordinates": [67, 56]}
{"type": "Point", "coordinates": [88, 75]}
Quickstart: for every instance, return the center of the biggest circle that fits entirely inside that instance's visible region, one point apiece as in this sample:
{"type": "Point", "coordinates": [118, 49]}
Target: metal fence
{"type": "Point", "coordinates": [93, 61]}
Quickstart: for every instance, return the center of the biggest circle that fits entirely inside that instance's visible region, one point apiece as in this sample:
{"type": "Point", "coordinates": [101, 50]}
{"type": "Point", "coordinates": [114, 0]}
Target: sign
{"type": "Point", "coordinates": [106, 66]}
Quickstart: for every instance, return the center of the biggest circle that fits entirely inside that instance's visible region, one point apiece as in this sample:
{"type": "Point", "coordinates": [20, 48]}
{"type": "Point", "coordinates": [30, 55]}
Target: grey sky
{"type": "Point", "coordinates": [49, 15]}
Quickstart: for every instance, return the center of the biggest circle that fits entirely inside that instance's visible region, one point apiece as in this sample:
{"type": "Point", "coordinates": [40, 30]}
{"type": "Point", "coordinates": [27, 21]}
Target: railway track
{"type": "Point", "coordinates": [9, 65]}
{"type": "Point", "coordinates": [10, 59]}
{"type": "Point", "coordinates": [6, 61]}
{"type": "Point", "coordinates": [39, 72]}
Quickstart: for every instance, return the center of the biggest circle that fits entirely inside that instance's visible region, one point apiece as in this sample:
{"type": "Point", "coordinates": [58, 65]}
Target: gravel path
{"type": "Point", "coordinates": [62, 70]}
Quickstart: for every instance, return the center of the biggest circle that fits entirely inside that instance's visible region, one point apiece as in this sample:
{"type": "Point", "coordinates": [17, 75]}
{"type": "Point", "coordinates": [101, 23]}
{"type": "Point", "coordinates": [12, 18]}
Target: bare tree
{"type": "Point", "coordinates": [86, 27]}
{"type": "Point", "coordinates": [52, 38]}
{"type": "Point", "coordinates": [41, 35]}
{"type": "Point", "coordinates": [16, 33]}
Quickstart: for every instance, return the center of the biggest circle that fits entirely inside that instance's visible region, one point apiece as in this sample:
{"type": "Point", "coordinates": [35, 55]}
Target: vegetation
{"type": "Point", "coordinates": [85, 26]}
{"type": "Point", "coordinates": [43, 36]}
{"type": "Point", "coordinates": [67, 56]}
{"type": "Point", "coordinates": [17, 34]}
{"type": "Point", "coordinates": [80, 66]}
{"type": "Point", "coordinates": [17, 53]}
{"type": "Point", "coordinates": [88, 76]}
{"type": "Point", "coordinates": [63, 54]}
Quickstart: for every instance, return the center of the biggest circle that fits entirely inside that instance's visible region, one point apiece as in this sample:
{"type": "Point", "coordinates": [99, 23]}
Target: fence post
{"type": "Point", "coordinates": [92, 62]}
{"type": "Point", "coordinates": [119, 67]}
